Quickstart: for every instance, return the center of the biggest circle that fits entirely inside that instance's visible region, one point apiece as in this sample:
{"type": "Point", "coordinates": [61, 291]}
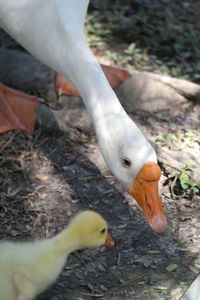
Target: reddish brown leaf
{"type": "Point", "coordinates": [64, 87]}
{"type": "Point", "coordinates": [113, 74]}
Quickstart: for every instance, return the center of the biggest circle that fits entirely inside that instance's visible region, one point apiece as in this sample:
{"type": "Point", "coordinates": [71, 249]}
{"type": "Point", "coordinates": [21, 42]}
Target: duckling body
{"type": "Point", "coordinates": [27, 269]}
{"type": "Point", "coordinates": [30, 266]}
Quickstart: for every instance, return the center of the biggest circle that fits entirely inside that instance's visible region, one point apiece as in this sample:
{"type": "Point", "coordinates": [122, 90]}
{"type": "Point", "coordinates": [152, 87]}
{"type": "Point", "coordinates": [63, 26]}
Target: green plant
{"type": "Point", "coordinates": [183, 180]}
{"type": "Point", "coordinates": [21, 139]}
{"type": "Point", "coordinates": [171, 139]}
{"type": "Point", "coordinates": [166, 36]}
{"type": "Point", "coordinates": [186, 181]}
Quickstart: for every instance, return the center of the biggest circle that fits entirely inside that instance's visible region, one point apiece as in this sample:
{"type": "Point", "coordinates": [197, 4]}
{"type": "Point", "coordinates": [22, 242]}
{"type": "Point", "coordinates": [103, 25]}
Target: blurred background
{"type": "Point", "coordinates": [160, 36]}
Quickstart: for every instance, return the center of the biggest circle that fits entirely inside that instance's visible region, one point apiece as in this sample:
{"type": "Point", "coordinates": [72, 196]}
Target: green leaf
{"type": "Point", "coordinates": [130, 49]}
{"type": "Point", "coordinates": [198, 66]}
{"type": "Point", "coordinates": [122, 226]}
{"type": "Point", "coordinates": [190, 165]}
{"type": "Point", "coordinates": [185, 181]}
{"type": "Point", "coordinates": [195, 190]}
{"type": "Point", "coordinates": [173, 174]}
{"type": "Point", "coordinates": [167, 230]}
{"type": "Point", "coordinates": [162, 138]}
{"type": "Point", "coordinates": [180, 241]}
{"type": "Point", "coordinates": [197, 183]}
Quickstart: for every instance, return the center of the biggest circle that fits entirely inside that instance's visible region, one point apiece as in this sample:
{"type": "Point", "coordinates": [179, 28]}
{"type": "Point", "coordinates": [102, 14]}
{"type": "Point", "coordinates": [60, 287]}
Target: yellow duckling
{"type": "Point", "coordinates": [28, 268]}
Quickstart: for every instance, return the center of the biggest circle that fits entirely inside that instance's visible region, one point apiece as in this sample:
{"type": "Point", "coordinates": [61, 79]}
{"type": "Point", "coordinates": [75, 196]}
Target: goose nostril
{"type": "Point", "coordinates": [148, 205]}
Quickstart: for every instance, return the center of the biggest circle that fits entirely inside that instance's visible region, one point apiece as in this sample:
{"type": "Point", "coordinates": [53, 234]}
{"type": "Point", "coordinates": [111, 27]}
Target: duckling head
{"type": "Point", "coordinates": [90, 229]}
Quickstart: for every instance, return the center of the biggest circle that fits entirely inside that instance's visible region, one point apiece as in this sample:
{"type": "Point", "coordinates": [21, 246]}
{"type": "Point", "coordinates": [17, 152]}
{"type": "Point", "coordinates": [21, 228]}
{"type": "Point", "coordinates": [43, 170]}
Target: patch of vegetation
{"type": "Point", "coordinates": [179, 139]}
{"type": "Point", "coordinates": [185, 180]}
{"type": "Point", "coordinates": [171, 139]}
{"type": "Point", "coordinates": [161, 36]}
{"type": "Point", "coordinates": [182, 183]}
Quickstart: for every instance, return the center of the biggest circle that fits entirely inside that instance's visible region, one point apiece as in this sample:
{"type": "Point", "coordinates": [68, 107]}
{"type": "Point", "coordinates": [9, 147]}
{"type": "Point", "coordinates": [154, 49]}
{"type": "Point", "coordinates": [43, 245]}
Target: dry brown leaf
{"type": "Point", "coordinates": [114, 76]}
{"type": "Point", "coordinates": [41, 177]}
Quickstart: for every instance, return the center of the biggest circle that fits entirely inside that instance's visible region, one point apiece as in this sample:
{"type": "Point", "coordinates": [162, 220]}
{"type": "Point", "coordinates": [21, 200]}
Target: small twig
{"type": "Point", "coordinates": [22, 170]}
{"type": "Point", "coordinates": [5, 222]}
{"type": "Point", "coordinates": [133, 279]}
{"type": "Point", "coordinates": [8, 142]}
{"type": "Point", "coordinates": [80, 258]}
{"type": "Point", "coordinates": [92, 295]}
{"type": "Point", "coordinates": [11, 158]}
{"type": "Point", "coordinates": [173, 185]}
{"type": "Point", "coordinates": [118, 259]}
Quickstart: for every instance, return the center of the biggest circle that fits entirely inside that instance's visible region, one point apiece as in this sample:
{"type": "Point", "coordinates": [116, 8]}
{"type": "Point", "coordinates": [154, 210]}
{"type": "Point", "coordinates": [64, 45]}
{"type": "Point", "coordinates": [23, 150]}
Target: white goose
{"type": "Point", "coordinates": [53, 31]}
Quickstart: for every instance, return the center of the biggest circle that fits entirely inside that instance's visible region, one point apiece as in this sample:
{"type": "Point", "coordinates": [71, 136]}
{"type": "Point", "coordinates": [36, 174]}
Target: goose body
{"type": "Point", "coordinates": [52, 30]}
{"type": "Point", "coordinates": [27, 269]}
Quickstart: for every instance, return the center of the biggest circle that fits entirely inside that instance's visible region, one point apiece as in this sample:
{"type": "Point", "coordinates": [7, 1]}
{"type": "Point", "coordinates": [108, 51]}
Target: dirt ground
{"type": "Point", "coordinates": [138, 267]}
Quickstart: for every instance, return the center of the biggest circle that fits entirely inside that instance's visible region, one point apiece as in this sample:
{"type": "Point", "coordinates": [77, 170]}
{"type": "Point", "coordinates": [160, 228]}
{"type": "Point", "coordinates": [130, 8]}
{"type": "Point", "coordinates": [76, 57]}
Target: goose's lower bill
{"type": "Point", "coordinates": [145, 191]}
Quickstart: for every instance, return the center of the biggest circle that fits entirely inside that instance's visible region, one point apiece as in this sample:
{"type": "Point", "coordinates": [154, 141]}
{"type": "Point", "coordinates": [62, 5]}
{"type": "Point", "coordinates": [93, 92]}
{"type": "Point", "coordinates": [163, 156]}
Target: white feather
{"type": "Point", "coordinates": [52, 30]}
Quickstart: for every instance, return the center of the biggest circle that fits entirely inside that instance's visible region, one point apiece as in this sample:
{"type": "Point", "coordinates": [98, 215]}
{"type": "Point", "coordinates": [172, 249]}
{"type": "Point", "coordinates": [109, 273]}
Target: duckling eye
{"type": "Point", "coordinates": [103, 230]}
{"type": "Point", "coordinates": [126, 162]}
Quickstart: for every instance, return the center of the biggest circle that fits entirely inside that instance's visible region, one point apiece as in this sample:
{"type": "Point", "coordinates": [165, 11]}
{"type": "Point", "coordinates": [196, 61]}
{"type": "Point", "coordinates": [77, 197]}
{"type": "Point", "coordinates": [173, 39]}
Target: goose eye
{"type": "Point", "coordinates": [126, 162]}
{"type": "Point", "coordinates": [103, 230]}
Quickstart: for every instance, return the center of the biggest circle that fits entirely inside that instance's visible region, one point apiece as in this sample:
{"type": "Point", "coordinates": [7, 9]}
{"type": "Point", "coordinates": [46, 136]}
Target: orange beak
{"type": "Point", "coordinates": [109, 241]}
{"type": "Point", "coordinates": [145, 190]}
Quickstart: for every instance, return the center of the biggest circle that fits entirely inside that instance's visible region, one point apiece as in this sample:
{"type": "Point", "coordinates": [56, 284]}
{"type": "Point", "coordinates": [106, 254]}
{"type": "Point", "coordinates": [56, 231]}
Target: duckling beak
{"type": "Point", "coordinates": [109, 241]}
{"type": "Point", "coordinates": [145, 190]}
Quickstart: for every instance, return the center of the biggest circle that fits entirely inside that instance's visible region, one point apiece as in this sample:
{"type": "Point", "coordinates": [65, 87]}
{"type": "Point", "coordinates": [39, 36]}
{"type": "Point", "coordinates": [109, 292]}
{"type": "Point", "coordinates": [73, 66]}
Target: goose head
{"type": "Point", "coordinates": [133, 161]}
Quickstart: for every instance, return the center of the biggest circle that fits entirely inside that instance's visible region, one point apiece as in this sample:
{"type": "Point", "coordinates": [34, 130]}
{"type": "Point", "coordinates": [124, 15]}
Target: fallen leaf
{"type": "Point", "coordinates": [128, 250]}
{"type": "Point", "coordinates": [167, 230]}
{"type": "Point", "coordinates": [147, 263]}
{"type": "Point", "coordinates": [114, 76]}
{"type": "Point", "coordinates": [171, 267]}
{"type": "Point", "coordinates": [28, 227]}
{"type": "Point", "coordinates": [38, 203]}
{"type": "Point", "coordinates": [122, 226]}
{"type": "Point", "coordinates": [160, 288]}
{"type": "Point", "coordinates": [153, 252]}
{"type": "Point", "coordinates": [194, 270]}
{"type": "Point", "coordinates": [180, 241]}
{"type": "Point", "coordinates": [103, 288]}
{"type": "Point", "coordinates": [41, 177]}
{"type": "Point", "coordinates": [64, 87]}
